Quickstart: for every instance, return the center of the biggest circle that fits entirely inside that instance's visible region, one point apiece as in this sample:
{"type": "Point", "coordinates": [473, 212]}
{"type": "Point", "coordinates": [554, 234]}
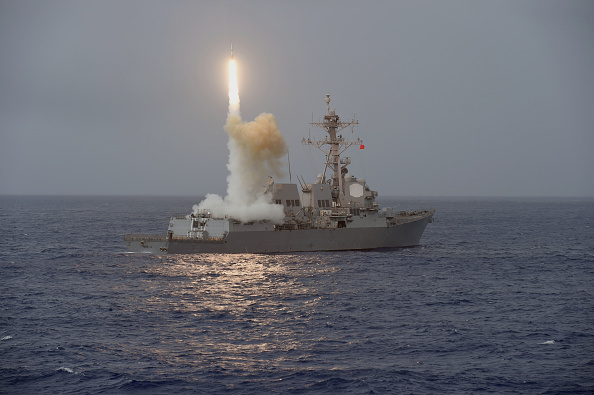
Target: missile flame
{"type": "Point", "coordinates": [233, 89]}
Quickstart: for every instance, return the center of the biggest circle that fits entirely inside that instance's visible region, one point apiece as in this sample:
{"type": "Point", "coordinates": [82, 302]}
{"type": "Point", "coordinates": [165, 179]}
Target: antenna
{"type": "Point", "coordinates": [300, 183]}
{"type": "Point", "coordinates": [289, 160]}
{"type": "Point", "coordinates": [303, 184]}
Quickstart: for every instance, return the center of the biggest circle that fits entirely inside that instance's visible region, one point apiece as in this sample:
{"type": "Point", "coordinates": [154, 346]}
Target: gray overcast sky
{"type": "Point", "coordinates": [453, 97]}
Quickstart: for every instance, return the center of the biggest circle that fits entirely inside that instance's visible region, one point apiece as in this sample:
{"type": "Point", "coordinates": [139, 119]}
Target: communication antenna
{"type": "Point", "coordinates": [300, 183]}
{"type": "Point", "coordinates": [289, 160]}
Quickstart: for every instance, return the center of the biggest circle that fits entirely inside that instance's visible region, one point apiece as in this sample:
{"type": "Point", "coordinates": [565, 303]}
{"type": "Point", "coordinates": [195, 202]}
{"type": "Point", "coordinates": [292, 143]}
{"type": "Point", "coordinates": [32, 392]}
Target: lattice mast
{"type": "Point", "coordinates": [337, 145]}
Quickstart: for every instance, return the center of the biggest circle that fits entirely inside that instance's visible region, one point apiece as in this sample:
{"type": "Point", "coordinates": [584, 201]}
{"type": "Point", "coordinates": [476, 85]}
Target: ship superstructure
{"type": "Point", "coordinates": [336, 212]}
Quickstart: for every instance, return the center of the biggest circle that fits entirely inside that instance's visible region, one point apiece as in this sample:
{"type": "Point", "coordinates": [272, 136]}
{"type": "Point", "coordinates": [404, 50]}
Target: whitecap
{"type": "Point", "coordinates": [65, 369]}
{"type": "Point", "coordinates": [6, 337]}
{"type": "Point", "coordinates": [548, 342]}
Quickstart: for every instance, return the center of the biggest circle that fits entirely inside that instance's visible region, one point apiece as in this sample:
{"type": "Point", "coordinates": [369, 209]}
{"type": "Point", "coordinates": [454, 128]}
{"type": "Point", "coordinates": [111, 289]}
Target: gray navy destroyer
{"type": "Point", "coordinates": [336, 212]}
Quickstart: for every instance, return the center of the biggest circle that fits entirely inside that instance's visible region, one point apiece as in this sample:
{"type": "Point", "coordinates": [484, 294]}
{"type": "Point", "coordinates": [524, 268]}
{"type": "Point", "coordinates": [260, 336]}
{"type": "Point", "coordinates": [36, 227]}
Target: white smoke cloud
{"type": "Point", "coordinates": [255, 152]}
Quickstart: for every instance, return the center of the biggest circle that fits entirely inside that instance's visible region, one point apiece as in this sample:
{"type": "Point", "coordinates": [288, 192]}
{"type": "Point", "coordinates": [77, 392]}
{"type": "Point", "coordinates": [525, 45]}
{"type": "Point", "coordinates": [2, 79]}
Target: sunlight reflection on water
{"type": "Point", "coordinates": [233, 310]}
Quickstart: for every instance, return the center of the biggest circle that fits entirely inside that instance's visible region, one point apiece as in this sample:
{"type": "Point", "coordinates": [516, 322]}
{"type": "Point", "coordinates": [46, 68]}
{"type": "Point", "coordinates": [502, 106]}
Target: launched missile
{"type": "Point", "coordinates": [233, 91]}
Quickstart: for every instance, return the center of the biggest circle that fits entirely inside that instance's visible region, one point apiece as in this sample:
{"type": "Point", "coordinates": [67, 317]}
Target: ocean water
{"type": "Point", "coordinates": [499, 298]}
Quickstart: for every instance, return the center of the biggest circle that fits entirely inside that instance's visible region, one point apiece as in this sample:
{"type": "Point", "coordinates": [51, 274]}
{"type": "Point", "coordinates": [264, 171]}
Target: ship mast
{"type": "Point", "coordinates": [338, 144]}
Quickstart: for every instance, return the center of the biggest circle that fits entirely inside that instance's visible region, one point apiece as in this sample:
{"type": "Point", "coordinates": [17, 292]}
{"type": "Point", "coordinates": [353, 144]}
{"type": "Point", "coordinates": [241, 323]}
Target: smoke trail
{"type": "Point", "coordinates": [255, 152]}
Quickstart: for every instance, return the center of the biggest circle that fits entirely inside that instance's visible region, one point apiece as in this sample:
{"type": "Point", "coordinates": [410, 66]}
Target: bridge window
{"type": "Point", "coordinates": [324, 203]}
{"type": "Point", "coordinates": [293, 203]}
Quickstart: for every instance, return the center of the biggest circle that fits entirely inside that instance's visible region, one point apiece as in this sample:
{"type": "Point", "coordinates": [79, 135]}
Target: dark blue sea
{"type": "Point", "coordinates": [498, 298]}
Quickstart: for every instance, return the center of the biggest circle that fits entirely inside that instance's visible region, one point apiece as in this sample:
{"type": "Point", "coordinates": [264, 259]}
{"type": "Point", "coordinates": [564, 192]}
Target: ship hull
{"type": "Point", "coordinates": [281, 241]}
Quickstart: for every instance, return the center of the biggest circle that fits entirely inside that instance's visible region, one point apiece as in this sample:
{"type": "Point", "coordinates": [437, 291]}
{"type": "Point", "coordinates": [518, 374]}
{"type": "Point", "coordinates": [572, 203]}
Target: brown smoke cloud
{"type": "Point", "coordinates": [255, 152]}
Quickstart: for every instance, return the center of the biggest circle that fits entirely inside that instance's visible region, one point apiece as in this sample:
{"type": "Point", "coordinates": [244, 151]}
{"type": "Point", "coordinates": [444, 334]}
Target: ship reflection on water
{"type": "Point", "coordinates": [237, 310]}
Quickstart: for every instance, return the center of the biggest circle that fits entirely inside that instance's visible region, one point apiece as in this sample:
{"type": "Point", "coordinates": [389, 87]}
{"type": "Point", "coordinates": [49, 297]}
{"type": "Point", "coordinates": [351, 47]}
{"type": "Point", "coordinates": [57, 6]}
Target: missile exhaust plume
{"type": "Point", "coordinates": [255, 152]}
{"type": "Point", "coordinates": [233, 89]}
